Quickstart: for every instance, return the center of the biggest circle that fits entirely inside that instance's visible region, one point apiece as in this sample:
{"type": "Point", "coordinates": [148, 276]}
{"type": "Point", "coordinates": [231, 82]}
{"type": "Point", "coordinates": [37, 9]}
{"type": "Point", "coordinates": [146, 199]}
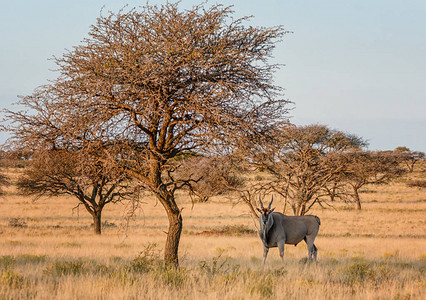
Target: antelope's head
{"type": "Point", "coordinates": [265, 213]}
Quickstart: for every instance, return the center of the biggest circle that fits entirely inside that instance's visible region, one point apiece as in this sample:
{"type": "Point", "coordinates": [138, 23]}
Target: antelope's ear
{"type": "Point", "coordinates": [258, 210]}
{"type": "Point", "coordinates": [271, 210]}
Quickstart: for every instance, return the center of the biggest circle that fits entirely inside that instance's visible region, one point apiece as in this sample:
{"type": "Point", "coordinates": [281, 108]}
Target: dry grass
{"type": "Point", "coordinates": [48, 251]}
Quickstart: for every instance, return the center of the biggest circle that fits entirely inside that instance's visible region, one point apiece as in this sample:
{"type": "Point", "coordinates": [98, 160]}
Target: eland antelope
{"type": "Point", "coordinates": [276, 230]}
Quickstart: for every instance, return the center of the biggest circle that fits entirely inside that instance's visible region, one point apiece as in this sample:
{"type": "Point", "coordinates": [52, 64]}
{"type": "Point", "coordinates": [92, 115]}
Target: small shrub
{"type": "Point", "coordinates": [70, 245]}
{"type": "Point", "coordinates": [122, 246]}
{"type": "Point", "coordinates": [60, 268]}
{"type": "Point", "coordinates": [263, 288]}
{"type": "Point", "coordinates": [217, 265]}
{"type": "Point", "coordinates": [391, 255]}
{"type": "Point", "coordinates": [17, 222]}
{"type": "Point", "coordinates": [421, 184]}
{"type": "Point", "coordinates": [31, 259]}
{"type": "Point", "coordinates": [123, 276]}
{"type": "Point", "coordinates": [147, 259]}
{"type": "Point", "coordinates": [231, 230]}
{"type": "Point", "coordinates": [14, 243]}
{"type": "Point", "coordinates": [141, 265]}
{"type": "Point", "coordinates": [399, 296]}
{"type": "Point", "coordinates": [357, 272]}
{"type": "Point", "coordinates": [384, 273]}
{"type": "Point", "coordinates": [255, 259]}
{"type": "Point", "coordinates": [11, 278]}
{"type": "Point", "coordinates": [279, 272]}
{"type": "Point", "coordinates": [238, 230]}
{"type": "Point", "coordinates": [174, 277]}
{"type": "Point", "coordinates": [7, 261]}
{"type": "Point", "coordinates": [106, 224]}
{"type": "Point", "coordinates": [94, 267]}
{"type": "Point", "coordinates": [330, 261]}
{"type": "Point", "coordinates": [115, 259]}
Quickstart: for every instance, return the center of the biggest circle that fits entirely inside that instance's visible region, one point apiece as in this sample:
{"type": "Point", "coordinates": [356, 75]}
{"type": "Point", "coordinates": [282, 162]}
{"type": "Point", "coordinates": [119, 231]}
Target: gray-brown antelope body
{"type": "Point", "coordinates": [277, 229]}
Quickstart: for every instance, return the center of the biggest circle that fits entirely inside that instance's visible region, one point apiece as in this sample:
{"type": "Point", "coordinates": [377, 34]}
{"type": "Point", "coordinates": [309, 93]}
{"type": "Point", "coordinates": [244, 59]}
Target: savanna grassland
{"type": "Point", "coordinates": [48, 250]}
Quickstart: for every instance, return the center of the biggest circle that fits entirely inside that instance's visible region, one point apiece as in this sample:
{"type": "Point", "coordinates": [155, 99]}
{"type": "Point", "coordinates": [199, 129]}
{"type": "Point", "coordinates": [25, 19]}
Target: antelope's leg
{"type": "Point", "coordinates": [281, 248]}
{"type": "Point", "coordinates": [310, 243]}
{"type": "Point", "coordinates": [315, 251]}
{"type": "Point", "coordinates": [265, 253]}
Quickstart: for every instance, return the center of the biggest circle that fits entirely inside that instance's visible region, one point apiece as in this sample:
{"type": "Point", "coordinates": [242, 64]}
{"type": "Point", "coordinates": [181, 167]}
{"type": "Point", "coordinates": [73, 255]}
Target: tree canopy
{"type": "Point", "coordinates": [58, 172]}
{"type": "Point", "coordinates": [303, 162]}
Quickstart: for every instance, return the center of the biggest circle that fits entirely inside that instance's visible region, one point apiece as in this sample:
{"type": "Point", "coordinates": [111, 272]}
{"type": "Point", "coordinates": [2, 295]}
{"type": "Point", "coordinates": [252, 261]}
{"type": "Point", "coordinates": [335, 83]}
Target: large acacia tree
{"type": "Point", "coordinates": [151, 83]}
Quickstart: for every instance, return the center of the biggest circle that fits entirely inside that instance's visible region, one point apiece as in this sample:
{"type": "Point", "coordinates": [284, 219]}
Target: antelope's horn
{"type": "Point", "coordinates": [272, 200]}
{"type": "Point", "coordinates": [260, 201]}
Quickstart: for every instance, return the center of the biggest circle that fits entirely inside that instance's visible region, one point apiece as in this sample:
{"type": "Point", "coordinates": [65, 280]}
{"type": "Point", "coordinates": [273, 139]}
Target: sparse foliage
{"type": "Point", "coordinates": [303, 161]}
{"type": "Point", "coordinates": [409, 158]}
{"type": "Point", "coordinates": [212, 176]}
{"type": "Point", "coordinates": [369, 167]}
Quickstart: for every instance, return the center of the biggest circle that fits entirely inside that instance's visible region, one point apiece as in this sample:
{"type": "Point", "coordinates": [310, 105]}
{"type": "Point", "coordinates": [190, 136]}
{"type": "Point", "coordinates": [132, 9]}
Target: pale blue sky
{"type": "Point", "coordinates": [358, 65]}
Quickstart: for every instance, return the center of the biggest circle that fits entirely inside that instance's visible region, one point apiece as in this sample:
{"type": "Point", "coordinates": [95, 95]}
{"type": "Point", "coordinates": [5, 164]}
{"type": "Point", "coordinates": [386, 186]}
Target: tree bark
{"type": "Point", "coordinates": [96, 213]}
{"type": "Point", "coordinates": [167, 199]}
{"type": "Point", "coordinates": [356, 197]}
{"type": "Point", "coordinates": [97, 222]}
{"type": "Point", "coordinates": [171, 258]}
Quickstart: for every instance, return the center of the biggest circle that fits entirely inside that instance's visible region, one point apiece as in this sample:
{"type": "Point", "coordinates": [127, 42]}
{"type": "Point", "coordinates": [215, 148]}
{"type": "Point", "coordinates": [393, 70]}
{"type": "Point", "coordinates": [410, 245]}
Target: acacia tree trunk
{"type": "Point", "coordinates": [167, 199]}
{"type": "Point", "coordinates": [171, 258]}
{"type": "Point", "coordinates": [97, 222]}
{"type": "Point", "coordinates": [356, 197]}
{"type": "Point", "coordinates": [97, 217]}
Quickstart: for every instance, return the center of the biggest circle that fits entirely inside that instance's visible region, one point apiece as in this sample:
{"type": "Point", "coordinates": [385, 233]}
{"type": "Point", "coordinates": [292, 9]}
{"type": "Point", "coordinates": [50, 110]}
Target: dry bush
{"type": "Point", "coordinates": [211, 176]}
{"type": "Point", "coordinates": [17, 222]}
{"type": "Point", "coordinates": [230, 230]}
{"type": "Point", "coordinates": [417, 183]}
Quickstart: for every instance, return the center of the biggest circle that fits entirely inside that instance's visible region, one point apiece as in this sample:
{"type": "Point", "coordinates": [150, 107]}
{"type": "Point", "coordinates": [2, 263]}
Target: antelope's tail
{"type": "Point", "coordinates": [318, 220]}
